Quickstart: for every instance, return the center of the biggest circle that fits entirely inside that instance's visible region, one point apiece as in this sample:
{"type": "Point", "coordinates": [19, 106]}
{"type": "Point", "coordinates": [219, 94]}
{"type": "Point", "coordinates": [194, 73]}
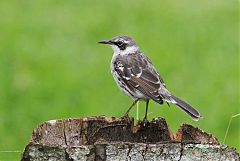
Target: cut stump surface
{"type": "Point", "coordinates": [110, 138]}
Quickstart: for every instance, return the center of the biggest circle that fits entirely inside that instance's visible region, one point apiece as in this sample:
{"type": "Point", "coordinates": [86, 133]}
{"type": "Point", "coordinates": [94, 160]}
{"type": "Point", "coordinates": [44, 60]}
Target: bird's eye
{"type": "Point", "coordinates": [120, 43]}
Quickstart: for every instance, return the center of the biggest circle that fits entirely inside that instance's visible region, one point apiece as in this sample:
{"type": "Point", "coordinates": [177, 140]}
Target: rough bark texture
{"type": "Point", "coordinates": [110, 138]}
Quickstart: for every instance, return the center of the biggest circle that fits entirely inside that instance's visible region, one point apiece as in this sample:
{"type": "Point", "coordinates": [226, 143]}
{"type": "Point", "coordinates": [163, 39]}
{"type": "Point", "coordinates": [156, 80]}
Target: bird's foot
{"type": "Point", "coordinates": [127, 118]}
{"type": "Point", "coordinates": [145, 122]}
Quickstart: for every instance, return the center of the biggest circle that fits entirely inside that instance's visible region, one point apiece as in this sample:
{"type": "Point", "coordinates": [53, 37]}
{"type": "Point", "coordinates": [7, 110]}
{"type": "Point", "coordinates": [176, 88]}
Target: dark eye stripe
{"type": "Point", "coordinates": [120, 43]}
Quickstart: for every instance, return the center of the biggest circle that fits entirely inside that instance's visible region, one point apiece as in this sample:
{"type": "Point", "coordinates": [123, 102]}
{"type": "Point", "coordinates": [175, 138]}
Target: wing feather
{"type": "Point", "coordinates": [138, 73]}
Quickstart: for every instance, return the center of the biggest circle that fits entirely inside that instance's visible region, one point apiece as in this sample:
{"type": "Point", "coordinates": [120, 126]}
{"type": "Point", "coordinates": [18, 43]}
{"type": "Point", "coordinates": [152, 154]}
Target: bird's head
{"type": "Point", "coordinates": [121, 44]}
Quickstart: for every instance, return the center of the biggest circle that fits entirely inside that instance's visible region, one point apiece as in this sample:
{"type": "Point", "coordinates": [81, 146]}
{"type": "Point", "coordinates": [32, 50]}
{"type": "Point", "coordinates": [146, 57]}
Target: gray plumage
{"type": "Point", "coordinates": [136, 76]}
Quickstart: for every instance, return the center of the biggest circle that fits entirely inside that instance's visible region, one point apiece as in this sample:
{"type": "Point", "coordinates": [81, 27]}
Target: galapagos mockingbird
{"type": "Point", "coordinates": [137, 77]}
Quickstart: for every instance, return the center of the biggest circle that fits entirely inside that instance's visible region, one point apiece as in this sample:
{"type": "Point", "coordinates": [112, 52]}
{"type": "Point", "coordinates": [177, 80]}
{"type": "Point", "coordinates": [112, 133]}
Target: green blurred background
{"type": "Point", "coordinates": [52, 68]}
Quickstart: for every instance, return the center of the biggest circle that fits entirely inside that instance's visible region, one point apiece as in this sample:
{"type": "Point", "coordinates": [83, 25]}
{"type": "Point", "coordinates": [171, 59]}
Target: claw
{"type": "Point", "coordinates": [127, 118]}
{"type": "Point", "coordinates": [126, 115]}
{"type": "Point", "coordinates": [145, 121]}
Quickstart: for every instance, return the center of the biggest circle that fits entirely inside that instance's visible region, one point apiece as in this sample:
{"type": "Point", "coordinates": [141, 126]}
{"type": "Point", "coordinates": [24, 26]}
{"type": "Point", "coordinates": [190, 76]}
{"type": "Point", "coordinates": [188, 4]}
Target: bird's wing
{"type": "Point", "coordinates": [138, 73]}
{"type": "Point", "coordinates": [149, 66]}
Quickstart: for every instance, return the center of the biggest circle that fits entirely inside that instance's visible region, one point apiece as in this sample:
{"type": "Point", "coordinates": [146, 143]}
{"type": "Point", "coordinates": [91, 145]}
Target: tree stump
{"type": "Point", "coordinates": [115, 139]}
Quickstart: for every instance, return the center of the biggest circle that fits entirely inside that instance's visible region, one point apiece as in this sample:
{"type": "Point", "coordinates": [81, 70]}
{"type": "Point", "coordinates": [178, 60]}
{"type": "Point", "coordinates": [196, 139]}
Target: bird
{"type": "Point", "coordinates": [136, 76]}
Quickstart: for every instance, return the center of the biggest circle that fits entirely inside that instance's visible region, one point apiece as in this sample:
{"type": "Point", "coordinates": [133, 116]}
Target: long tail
{"type": "Point", "coordinates": [185, 107]}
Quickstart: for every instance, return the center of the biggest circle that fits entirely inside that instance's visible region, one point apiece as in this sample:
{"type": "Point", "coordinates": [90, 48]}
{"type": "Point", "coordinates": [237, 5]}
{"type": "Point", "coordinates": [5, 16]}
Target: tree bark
{"type": "Point", "coordinates": [115, 139]}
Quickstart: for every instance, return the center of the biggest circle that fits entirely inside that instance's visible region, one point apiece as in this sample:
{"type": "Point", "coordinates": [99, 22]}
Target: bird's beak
{"type": "Point", "coordinates": [105, 42]}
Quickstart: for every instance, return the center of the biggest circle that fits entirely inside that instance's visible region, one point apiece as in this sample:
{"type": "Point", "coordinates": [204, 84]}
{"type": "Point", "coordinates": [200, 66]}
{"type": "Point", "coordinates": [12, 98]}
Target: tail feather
{"type": "Point", "coordinates": [187, 108]}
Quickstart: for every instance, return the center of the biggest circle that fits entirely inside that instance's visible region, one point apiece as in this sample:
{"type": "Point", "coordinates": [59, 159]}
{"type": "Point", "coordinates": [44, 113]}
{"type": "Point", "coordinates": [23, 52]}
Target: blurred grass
{"type": "Point", "coordinates": [51, 66]}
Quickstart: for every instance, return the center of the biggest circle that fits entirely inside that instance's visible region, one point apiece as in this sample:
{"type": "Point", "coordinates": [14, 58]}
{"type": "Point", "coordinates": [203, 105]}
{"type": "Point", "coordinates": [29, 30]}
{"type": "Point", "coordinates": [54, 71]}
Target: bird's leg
{"type": "Point", "coordinates": [145, 117]}
{"type": "Point", "coordinates": [135, 101]}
